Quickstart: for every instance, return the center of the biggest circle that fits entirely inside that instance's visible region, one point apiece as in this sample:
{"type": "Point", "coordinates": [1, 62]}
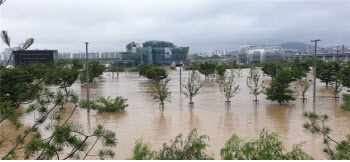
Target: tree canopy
{"type": "Point", "coordinates": [207, 68]}
{"type": "Point", "coordinates": [279, 87]}
{"type": "Point", "coordinates": [270, 69]}
{"type": "Point", "coordinates": [15, 84]}
{"type": "Point", "coordinates": [326, 71]}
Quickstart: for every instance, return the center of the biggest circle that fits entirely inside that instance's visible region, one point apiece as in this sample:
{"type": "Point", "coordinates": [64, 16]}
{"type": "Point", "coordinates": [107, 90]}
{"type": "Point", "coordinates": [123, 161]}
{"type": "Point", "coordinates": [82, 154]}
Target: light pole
{"type": "Point", "coordinates": [125, 67]}
{"type": "Point", "coordinates": [87, 76]}
{"type": "Point", "coordinates": [316, 40]}
{"type": "Point", "coordinates": [337, 57]}
{"type": "Point", "coordinates": [117, 70]}
{"type": "Point", "coordinates": [180, 77]}
{"type": "Point", "coordinates": [180, 70]}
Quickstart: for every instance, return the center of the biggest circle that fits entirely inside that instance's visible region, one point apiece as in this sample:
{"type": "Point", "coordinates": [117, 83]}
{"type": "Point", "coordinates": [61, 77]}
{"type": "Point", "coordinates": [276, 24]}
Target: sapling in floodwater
{"type": "Point", "coordinates": [256, 87]}
{"type": "Point", "coordinates": [228, 87]}
{"type": "Point", "coordinates": [192, 86]}
{"type": "Point", "coordinates": [161, 91]}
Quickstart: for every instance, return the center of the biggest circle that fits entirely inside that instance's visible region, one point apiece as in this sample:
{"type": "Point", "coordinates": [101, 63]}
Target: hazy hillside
{"type": "Point", "coordinates": [296, 45]}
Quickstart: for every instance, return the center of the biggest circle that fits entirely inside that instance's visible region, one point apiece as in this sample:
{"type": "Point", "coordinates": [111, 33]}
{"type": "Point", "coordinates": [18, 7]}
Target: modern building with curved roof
{"type": "Point", "coordinates": [260, 54]}
{"type": "Point", "coordinates": [160, 53]}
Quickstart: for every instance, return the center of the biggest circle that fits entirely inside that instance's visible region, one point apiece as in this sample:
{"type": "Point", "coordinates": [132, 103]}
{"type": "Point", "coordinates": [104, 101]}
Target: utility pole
{"type": "Point", "coordinates": [180, 70]}
{"type": "Point", "coordinates": [87, 76]}
{"type": "Point", "coordinates": [180, 77]}
{"type": "Point", "coordinates": [117, 70]}
{"type": "Point", "coordinates": [342, 52]}
{"type": "Point", "coordinates": [337, 57]}
{"type": "Point", "coordinates": [315, 64]}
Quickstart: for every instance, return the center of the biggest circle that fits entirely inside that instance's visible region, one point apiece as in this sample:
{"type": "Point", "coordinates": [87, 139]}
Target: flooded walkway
{"type": "Point", "coordinates": [143, 118]}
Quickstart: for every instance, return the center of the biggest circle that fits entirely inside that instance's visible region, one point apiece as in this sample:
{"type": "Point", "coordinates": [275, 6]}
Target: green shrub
{"type": "Point", "coordinates": [142, 151]}
{"type": "Point", "coordinates": [103, 104]}
{"type": "Point", "coordinates": [191, 148]}
{"type": "Point", "coordinates": [144, 68]}
{"type": "Point", "coordinates": [135, 69]}
{"type": "Point", "coordinates": [156, 74]}
{"type": "Point", "coordinates": [267, 147]}
{"type": "Point", "coordinates": [115, 69]}
{"type": "Point", "coordinates": [346, 102]}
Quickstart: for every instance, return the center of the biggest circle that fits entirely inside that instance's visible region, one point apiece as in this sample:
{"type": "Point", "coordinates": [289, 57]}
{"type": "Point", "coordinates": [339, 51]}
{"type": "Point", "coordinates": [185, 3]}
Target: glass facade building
{"type": "Point", "coordinates": [160, 53]}
{"type": "Point", "coordinates": [260, 54]}
{"type": "Point", "coordinates": [48, 57]}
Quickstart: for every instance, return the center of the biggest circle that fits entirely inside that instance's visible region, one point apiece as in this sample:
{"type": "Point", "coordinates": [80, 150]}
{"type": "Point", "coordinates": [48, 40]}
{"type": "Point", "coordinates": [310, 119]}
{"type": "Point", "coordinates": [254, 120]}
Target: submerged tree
{"type": "Point", "coordinates": [279, 88]}
{"type": "Point", "coordinates": [103, 104]}
{"type": "Point", "coordinates": [156, 73]}
{"type": "Point", "coordinates": [228, 88]}
{"type": "Point", "coordinates": [270, 69]}
{"type": "Point", "coordinates": [207, 69]}
{"type": "Point", "coordinates": [345, 75]}
{"type": "Point", "coordinates": [95, 69]}
{"type": "Point", "coordinates": [326, 71]}
{"type": "Point", "coordinates": [346, 102]}
{"type": "Point", "coordinates": [253, 70]}
{"type": "Point", "coordinates": [336, 86]}
{"type": "Point", "coordinates": [161, 91]}
{"type": "Point", "coordinates": [267, 147]}
{"type": "Point", "coordinates": [305, 84]}
{"type": "Point", "coordinates": [256, 87]}
{"type": "Point", "coordinates": [300, 69]}
{"type": "Point", "coordinates": [192, 85]}
{"type": "Point", "coordinates": [221, 70]}
{"type": "Point", "coordinates": [237, 71]}
{"type": "Point", "coordinates": [316, 125]}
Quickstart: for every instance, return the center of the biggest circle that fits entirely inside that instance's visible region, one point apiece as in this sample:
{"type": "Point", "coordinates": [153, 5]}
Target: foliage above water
{"type": "Point", "coordinates": [207, 68]}
{"type": "Point", "coordinates": [160, 92]}
{"type": "Point", "coordinates": [279, 87]}
{"type": "Point", "coordinates": [103, 104]}
{"type": "Point", "coordinates": [192, 85]}
{"type": "Point", "coordinates": [95, 69]}
{"type": "Point", "coordinates": [346, 102]}
{"type": "Point", "coordinates": [191, 148]}
{"type": "Point", "coordinates": [152, 72]}
{"type": "Point", "coordinates": [271, 69]}
{"type": "Point", "coordinates": [326, 71]}
{"type": "Point", "coordinates": [267, 147]}
{"type": "Point", "coordinates": [142, 151]}
{"type": "Point", "coordinates": [228, 87]}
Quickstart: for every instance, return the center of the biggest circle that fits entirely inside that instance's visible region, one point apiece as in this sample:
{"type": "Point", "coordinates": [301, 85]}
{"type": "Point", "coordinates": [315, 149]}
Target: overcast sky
{"type": "Point", "coordinates": [199, 24]}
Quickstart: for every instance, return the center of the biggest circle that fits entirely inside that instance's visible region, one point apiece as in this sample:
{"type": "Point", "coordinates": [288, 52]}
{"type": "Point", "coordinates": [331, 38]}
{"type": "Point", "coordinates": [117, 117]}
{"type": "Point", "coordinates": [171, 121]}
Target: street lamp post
{"type": "Point", "coordinates": [125, 67]}
{"type": "Point", "coordinates": [315, 64]}
{"type": "Point", "coordinates": [337, 57]}
{"type": "Point", "coordinates": [87, 76]}
{"type": "Point", "coordinates": [180, 70]}
{"type": "Point", "coordinates": [180, 77]}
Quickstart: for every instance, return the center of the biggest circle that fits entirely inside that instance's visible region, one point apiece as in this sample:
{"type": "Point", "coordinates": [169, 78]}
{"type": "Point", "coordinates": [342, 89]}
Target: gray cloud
{"type": "Point", "coordinates": [200, 24]}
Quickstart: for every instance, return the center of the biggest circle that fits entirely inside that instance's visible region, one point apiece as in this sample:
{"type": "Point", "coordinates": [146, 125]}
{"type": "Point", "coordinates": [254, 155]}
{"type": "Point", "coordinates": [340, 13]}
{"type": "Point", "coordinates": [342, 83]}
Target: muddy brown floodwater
{"type": "Point", "coordinates": [143, 118]}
